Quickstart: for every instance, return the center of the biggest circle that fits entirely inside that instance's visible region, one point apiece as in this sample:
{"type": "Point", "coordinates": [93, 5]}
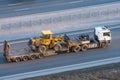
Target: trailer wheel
{"type": "Point", "coordinates": [57, 47]}
{"type": "Point", "coordinates": [17, 59]}
{"type": "Point", "coordinates": [39, 56]}
{"type": "Point", "coordinates": [42, 49]}
{"type": "Point", "coordinates": [24, 58]}
{"type": "Point", "coordinates": [84, 47]}
{"type": "Point", "coordinates": [76, 49]}
{"type": "Point", "coordinates": [32, 57]}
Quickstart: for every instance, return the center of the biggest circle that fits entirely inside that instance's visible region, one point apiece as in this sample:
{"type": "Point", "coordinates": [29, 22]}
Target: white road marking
{"type": "Point", "coordinates": [51, 5]}
{"type": "Point", "coordinates": [61, 69]}
{"type": "Point", "coordinates": [23, 9]}
{"type": "Point", "coordinates": [77, 1]}
{"type": "Point", "coordinates": [19, 41]}
{"type": "Point", "coordinates": [115, 27]}
{"type": "Point", "coordinates": [16, 42]}
{"type": "Point", "coordinates": [14, 4]}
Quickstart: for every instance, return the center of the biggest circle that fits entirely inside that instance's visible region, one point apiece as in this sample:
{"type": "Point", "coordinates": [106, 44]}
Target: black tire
{"type": "Point", "coordinates": [42, 49]}
{"type": "Point", "coordinates": [17, 59]}
{"type": "Point", "coordinates": [104, 44]}
{"type": "Point", "coordinates": [24, 58]}
{"type": "Point", "coordinates": [76, 49]}
{"type": "Point", "coordinates": [32, 57]}
{"type": "Point", "coordinates": [84, 48]}
{"type": "Point", "coordinates": [109, 42]}
{"type": "Point", "coordinates": [39, 56]}
{"type": "Point", "coordinates": [57, 47]}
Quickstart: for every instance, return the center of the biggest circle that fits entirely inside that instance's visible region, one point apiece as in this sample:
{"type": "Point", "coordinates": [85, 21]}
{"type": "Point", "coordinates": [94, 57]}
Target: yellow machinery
{"type": "Point", "coordinates": [46, 41]}
{"type": "Point", "coordinates": [57, 43]}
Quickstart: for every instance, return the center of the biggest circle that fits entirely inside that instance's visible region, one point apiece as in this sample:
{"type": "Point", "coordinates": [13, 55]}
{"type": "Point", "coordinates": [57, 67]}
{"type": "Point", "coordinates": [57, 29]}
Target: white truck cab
{"type": "Point", "coordinates": [102, 35]}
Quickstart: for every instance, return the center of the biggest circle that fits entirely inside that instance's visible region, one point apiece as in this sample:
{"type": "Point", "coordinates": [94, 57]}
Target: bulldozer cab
{"type": "Point", "coordinates": [46, 37]}
{"type": "Point", "coordinates": [46, 34]}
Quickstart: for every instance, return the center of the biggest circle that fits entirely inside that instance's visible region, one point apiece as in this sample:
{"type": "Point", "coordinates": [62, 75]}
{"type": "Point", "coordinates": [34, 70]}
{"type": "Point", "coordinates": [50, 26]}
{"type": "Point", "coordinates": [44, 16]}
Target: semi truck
{"type": "Point", "coordinates": [47, 44]}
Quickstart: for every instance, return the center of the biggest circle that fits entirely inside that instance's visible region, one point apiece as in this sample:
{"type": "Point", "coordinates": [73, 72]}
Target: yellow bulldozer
{"type": "Point", "coordinates": [57, 43]}
{"type": "Point", "coordinates": [46, 41]}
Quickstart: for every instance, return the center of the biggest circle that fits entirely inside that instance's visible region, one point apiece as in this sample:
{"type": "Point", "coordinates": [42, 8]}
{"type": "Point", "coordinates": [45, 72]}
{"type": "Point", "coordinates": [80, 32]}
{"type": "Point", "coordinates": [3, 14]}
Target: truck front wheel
{"type": "Point", "coordinates": [104, 44]}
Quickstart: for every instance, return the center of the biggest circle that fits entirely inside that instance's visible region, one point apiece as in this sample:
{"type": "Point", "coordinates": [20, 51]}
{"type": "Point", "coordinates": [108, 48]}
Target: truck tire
{"type": "Point", "coordinates": [57, 47]}
{"type": "Point", "coordinates": [76, 49]}
{"type": "Point", "coordinates": [104, 44]}
{"type": "Point", "coordinates": [42, 49]}
{"type": "Point", "coordinates": [24, 58]}
{"type": "Point", "coordinates": [32, 57]}
{"type": "Point", "coordinates": [17, 59]}
{"type": "Point", "coordinates": [84, 48]}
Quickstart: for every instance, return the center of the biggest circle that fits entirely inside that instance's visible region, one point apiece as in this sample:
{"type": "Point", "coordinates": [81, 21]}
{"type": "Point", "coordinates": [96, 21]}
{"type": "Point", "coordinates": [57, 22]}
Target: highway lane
{"type": "Point", "coordinates": [38, 7]}
{"type": "Point", "coordinates": [63, 59]}
{"type": "Point", "coordinates": [4, 3]}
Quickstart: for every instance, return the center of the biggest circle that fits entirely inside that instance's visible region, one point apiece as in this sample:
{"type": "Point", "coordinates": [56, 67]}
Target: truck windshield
{"type": "Point", "coordinates": [106, 34]}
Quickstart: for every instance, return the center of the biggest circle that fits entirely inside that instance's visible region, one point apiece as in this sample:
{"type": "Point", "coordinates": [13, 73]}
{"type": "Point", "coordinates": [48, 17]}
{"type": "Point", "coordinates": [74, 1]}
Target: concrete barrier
{"type": "Point", "coordinates": [59, 21]}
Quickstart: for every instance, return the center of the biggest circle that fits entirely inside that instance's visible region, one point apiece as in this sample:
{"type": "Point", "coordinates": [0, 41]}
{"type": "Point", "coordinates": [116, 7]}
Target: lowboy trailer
{"type": "Point", "coordinates": [41, 46]}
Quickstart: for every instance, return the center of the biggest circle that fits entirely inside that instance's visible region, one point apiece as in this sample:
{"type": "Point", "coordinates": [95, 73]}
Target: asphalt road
{"type": "Point", "coordinates": [63, 59]}
{"type": "Point", "coordinates": [10, 8]}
